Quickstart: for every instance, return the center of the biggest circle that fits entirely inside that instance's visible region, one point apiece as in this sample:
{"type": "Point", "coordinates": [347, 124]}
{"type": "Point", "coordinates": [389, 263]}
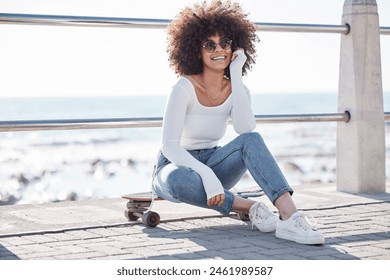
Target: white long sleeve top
{"type": "Point", "coordinates": [188, 125]}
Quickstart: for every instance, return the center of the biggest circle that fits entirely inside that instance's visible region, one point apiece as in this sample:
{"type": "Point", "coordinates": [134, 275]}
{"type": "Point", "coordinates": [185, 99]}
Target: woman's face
{"type": "Point", "coordinates": [216, 52]}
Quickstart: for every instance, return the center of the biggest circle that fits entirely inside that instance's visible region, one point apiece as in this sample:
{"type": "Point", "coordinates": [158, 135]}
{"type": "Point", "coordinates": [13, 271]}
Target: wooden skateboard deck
{"type": "Point", "coordinates": [142, 196]}
{"type": "Point", "coordinates": [139, 204]}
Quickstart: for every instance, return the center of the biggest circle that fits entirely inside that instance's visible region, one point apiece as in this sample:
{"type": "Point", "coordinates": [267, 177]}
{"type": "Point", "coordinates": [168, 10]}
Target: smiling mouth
{"type": "Point", "coordinates": [218, 58]}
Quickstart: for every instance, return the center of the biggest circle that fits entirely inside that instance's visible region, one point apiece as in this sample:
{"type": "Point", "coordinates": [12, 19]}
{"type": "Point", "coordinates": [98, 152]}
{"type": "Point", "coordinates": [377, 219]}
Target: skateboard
{"type": "Point", "coordinates": [139, 206]}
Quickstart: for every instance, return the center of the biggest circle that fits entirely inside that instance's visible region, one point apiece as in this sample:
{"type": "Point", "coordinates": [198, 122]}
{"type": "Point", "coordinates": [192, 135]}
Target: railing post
{"type": "Point", "coordinates": [361, 141]}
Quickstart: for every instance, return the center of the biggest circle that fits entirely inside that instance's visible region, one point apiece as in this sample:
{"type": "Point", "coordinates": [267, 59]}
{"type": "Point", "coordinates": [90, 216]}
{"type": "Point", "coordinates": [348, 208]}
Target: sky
{"type": "Point", "coordinates": [89, 61]}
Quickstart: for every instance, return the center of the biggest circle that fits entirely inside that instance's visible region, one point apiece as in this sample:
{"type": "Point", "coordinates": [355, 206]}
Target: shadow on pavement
{"type": "Point", "coordinates": [235, 242]}
{"type": "Point", "coordinates": [6, 254]}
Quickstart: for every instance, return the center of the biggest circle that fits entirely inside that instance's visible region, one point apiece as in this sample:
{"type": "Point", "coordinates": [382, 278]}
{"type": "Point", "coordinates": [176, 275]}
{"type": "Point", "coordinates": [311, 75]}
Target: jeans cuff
{"type": "Point", "coordinates": [227, 205]}
{"type": "Point", "coordinates": [280, 192]}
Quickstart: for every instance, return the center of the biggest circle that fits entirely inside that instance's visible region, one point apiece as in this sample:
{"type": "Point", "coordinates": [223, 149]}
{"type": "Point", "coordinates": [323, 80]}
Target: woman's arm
{"type": "Point", "coordinates": [242, 115]}
{"type": "Point", "coordinates": [173, 124]}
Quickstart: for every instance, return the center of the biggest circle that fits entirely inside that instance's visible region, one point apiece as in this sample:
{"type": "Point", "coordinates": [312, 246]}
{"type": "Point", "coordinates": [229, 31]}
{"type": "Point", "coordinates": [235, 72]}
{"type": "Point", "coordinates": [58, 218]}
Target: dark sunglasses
{"type": "Point", "coordinates": [210, 45]}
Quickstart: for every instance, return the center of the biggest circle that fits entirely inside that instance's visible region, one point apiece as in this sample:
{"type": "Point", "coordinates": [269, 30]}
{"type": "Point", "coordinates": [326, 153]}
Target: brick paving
{"type": "Point", "coordinates": [352, 232]}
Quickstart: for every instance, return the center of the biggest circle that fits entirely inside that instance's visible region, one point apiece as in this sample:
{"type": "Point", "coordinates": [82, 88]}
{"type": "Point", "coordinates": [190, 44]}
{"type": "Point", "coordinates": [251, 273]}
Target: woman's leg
{"type": "Point", "coordinates": [248, 151]}
{"type": "Point", "coordinates": [182, 184]}
{"type": "Point", "coordinates": [285, 205]}
{"type": "Point", "coordinates": [230, 162]}
{"type": "Point", "coordinates": [242, 204]}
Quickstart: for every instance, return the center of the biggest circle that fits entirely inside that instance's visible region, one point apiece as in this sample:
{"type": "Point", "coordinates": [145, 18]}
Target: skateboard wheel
{"type": "Point", "coordinates": [130, 216]}
{"type": "Point", "coordinates": [151, 219]}
{"type": "Point", "coordinates": [243, 216]}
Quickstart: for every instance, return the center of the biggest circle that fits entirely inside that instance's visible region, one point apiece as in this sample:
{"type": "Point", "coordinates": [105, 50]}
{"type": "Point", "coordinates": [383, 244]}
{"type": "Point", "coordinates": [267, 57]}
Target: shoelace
{"type": "Point", "coordinates": [257, 215]}
{"type": "Point", "coordinates": [303, 222]}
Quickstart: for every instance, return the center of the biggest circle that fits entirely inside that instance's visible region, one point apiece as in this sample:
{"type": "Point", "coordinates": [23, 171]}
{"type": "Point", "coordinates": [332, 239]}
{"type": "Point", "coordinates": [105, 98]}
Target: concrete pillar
{"type": "Point", "coordinates": [361, 142]}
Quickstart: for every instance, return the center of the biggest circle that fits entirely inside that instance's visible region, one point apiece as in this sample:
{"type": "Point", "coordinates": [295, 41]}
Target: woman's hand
{"type": "Point", "coordinates": [216, 200]}
{"type": "Point", "coordinates": [236, 52]}
{"type": "Point", "coordinates": [238, 58]}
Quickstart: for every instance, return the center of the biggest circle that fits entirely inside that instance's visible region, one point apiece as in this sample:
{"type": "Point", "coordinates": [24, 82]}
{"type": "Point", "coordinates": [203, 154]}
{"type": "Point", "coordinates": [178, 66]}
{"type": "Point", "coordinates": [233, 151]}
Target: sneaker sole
{"type": "Point", "coordinates": [319, 240]}
{"type": "Point", "coordinates": [266, 229]}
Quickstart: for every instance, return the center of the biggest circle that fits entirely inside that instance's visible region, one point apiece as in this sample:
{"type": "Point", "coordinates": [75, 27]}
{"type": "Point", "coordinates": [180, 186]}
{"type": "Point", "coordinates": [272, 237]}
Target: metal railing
{"type": "Point", "coordinates": [57, 20]}
{"type": "Point", "coordinates": [69, 124]}
{"type": "Point", "coordinates": [84, 21]}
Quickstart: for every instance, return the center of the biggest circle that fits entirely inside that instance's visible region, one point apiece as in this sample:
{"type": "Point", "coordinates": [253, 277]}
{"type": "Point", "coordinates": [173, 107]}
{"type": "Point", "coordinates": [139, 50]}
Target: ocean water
{"type": "Point", "coordinates": [45, 166]}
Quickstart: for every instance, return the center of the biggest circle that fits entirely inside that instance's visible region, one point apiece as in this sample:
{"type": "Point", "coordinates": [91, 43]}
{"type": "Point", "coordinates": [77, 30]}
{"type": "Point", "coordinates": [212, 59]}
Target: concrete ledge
{"type": "Point", "coordinates": [24, 219]}
{"type": "Point", "coordinates": [58, 216]}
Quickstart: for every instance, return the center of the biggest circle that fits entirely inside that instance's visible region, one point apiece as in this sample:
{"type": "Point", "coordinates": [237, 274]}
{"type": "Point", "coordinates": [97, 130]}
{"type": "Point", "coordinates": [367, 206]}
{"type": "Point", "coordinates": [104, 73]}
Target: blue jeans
{"type": "Point", "coordinates": [229, 163]}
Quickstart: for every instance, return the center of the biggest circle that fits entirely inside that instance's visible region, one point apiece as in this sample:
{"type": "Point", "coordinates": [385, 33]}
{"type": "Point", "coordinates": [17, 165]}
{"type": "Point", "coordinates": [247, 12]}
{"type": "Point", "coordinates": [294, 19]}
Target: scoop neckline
{"type": "Point", "coordinates": [196, 96]}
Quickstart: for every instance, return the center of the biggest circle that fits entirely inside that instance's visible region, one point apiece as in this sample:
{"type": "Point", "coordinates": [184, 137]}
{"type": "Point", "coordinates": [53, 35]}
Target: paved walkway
{"type": "Point", "coordinates": [355, 227]}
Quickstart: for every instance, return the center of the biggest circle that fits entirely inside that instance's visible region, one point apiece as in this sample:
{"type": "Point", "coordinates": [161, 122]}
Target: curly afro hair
{"type": "Point", "coordinates": [193, 25]}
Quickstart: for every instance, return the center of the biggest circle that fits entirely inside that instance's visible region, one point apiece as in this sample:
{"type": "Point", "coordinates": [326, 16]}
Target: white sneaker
{"type": "Point", "coordinates": [263, 218]}
{"type": "Point", "coordinates": [297, 228]}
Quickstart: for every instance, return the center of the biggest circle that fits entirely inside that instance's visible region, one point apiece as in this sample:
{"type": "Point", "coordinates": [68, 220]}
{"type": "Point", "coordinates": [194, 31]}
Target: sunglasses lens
{"type": "Point", "coordinates": [209, 46]}
{"type": "Point", "coordinates": [226, 43]}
